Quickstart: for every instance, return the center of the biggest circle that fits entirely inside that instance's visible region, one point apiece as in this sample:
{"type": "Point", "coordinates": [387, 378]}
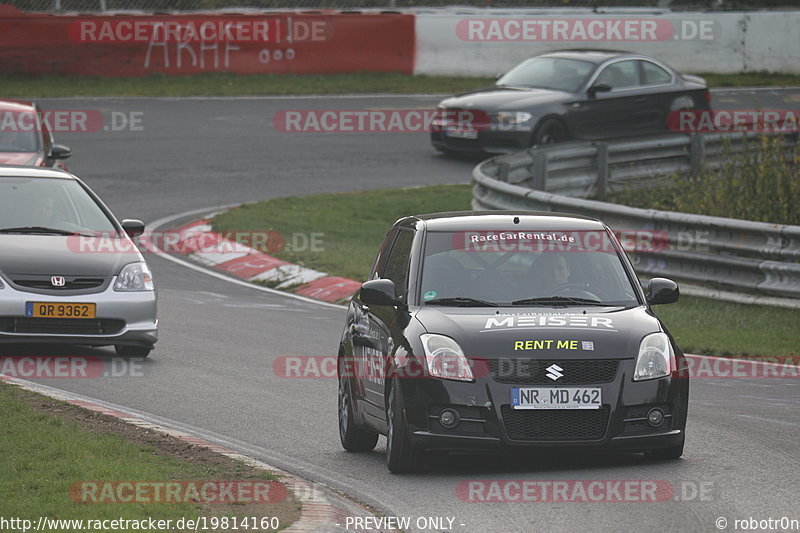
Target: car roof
{"type": "Point", "coordinates": [592, 56]}
{"type": "Point", "coordinates": [503, 220]}
{"type": "Point", "coordinates": [20, 171]}
{"type": "Point", "coordinates": [16, 106]}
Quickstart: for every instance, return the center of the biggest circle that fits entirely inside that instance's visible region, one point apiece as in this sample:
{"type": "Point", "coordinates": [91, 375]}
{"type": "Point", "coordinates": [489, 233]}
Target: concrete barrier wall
{"type": "Point", "coordinates": [453, 41]}
{"type": "Point", "coordinates": [690, 42]}
{"type": "Point", "coordinates": [138, 45]}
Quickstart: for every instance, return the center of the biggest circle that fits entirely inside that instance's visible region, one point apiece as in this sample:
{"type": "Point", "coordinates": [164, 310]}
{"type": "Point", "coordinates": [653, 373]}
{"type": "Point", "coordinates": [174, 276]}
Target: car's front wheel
{"type": "Point", "coordinates": [550, 131]}
{"type": "Point", "coordinates": [401, 457]}
{"type": "Point", "coordinates": [132, 351]}
{"type": "Point", "coordinates": [353, 437]}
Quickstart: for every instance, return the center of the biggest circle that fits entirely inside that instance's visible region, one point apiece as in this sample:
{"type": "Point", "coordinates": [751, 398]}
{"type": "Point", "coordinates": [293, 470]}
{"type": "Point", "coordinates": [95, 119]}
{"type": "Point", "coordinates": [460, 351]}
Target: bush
{"type": "Point", "coordinates": [760, 183]}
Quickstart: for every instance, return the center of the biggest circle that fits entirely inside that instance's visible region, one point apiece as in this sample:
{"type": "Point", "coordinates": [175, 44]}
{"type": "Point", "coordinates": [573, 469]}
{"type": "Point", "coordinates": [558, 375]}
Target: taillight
{"type": "Point", "coordinates": [708, 96]}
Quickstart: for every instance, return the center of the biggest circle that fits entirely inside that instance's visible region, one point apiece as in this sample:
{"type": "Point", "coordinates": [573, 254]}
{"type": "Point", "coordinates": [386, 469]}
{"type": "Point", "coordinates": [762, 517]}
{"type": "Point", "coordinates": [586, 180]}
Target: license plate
{"type": "Point", "coordinates": [60, 310]}
{"type": "Point", "coordinates": [461, 134]}
{"type": "Point", "coordinates": [561, 398]}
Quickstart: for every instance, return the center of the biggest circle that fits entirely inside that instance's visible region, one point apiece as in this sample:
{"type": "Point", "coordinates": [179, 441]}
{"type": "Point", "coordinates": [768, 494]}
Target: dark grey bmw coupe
{"type": "Point", "coordinates": [559, 96]}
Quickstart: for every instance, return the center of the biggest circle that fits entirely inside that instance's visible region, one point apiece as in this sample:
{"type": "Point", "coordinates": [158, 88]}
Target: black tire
{"type": "Point", "coordinates": [353, 437]}
{"type": "Point", "coordinates": [664, 454]}
{"type": "Point", "coordinates": [132, 351]}
{"type": "Point", "coordinates": [401, 457]}
{"type": "Point", "coordinates": [550, 131]}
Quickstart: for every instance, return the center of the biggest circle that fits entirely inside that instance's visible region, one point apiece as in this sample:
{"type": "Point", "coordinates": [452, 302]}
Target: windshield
{"type": "Point", "coordinates": [59, 204]}
{"type": "Point", "coordinates": [551, 268]}
{"type": "Point", "coordinates": [548, 73]}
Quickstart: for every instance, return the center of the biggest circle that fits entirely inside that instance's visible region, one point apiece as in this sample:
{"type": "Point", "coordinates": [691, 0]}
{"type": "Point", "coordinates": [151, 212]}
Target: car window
{"type": "Point", "coordinates": [620, 75]}
{"type": "Point", "coordinates": [500, 267]}
{"type": "Point", "coordinates": [53, 203]}
{"type": "Point", "coordinates": [20, 135]}
{"type": "Point", "coordinates": [653, 74]}
{"type": "Point", "coordinates": [397, 262]}
{"type": "Point", "coordinates": [548, 73]}
{"type": "Point", "coordinates": [378, 264]}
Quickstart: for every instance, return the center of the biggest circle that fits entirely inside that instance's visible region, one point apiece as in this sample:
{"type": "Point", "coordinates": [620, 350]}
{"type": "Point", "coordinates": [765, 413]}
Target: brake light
{"type": "Point", "coordinates": [708, 96]}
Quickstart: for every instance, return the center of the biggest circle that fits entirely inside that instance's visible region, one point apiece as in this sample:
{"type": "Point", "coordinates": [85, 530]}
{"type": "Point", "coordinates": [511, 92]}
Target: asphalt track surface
{"type": "Point", "coordinates": [211, 372]}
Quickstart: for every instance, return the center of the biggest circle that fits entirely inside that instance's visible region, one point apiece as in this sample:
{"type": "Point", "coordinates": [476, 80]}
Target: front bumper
{"type": "Point", "coordinates": [482, 138]}
{"type": "Point", "coordinates": [124, 318]}
{"type": "Point", "coordinates": [489, 423]}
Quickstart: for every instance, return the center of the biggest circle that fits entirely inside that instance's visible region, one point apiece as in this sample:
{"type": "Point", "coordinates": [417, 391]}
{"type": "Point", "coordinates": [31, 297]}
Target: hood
{"type": "Point", "coordinates": [573, 333]}
{"type": "Point", "coordinates": [47, 255]}
{"type": "Point", "coordinates": [19, 158]}
{"type": "Point", "coordinates": [505, 98]}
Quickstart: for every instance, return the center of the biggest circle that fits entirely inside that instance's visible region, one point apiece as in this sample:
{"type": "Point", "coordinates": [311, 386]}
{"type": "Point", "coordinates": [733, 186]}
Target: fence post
{"type": "Point", "coordinates": [502, 171]}
{"type": "Point", "coordinates": [697, 153]}
{"type": "Point", "coordinates": [601, 186]}
{"type": "Point", "coordinates": [539, 171]}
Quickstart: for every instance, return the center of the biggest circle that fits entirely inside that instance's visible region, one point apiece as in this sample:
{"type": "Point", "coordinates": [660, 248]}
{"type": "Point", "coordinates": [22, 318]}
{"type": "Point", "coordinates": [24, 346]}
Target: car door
{"type": "Point", "coordinates": [660, 89]}
{"type": "Point", "coordinates": [614, 113]}
{"type": "Point", "coordinates": [377, 344]}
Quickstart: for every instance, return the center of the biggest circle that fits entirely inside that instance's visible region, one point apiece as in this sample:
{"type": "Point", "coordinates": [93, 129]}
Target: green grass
{"type": "Point", "coordinates": [43, 455]}
{"type": "Point", "coordinates": [226, 84]}
{"type": "Point", "coordinates": [354, 225]}
{"type": "Point", "coordinates": [751, 79]}
{"type": "Point", "coordinates": [711, 327]}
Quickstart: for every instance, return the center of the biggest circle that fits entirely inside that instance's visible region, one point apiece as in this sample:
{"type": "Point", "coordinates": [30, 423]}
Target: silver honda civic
{"type": "Point", "coordinates": [69, 271]}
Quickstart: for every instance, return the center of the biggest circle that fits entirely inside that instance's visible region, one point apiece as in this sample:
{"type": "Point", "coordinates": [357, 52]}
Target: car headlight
{"type": "Point", "coordinates": [444, 358]}
{"type": "Point", "coordinates": [513, 120]}
{"type": "Point", "coordinates": [134, 277]}
{"type": "Point", "coordinates": [655, 359]}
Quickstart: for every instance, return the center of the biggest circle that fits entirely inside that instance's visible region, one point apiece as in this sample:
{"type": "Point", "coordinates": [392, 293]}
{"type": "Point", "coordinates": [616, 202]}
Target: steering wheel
{"type": "Point", "coordinates": [576, 288]}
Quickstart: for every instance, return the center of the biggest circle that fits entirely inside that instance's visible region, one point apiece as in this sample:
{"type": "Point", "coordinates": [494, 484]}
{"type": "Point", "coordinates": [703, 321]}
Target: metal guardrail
{"type": "Point", "coordinates": [736, 259]}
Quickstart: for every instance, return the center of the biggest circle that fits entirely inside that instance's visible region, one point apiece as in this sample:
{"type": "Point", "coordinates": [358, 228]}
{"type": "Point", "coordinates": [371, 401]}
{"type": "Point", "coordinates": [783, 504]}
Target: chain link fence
{"type": "Point", "coordinates": [55, 6]}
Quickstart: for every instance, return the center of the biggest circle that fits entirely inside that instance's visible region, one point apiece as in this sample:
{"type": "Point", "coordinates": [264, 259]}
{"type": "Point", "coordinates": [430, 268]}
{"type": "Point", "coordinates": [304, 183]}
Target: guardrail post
{"type": "Point", "coordinates": [601, 186]}
{"type": "Point", "coordinates": [502, 171]}
{"type": "Point", "coordinates": [539, 168]}
{"type": "Point", "coordinates": [697, 153]}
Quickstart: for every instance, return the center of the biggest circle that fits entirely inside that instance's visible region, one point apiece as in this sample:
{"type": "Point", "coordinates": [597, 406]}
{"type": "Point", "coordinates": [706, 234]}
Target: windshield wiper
{"type": "Point", "coordinates": [461, 301]}
{"type": "Point", "coordinates": [547, 300]}
{"type": "Point", "coordinates": [43, 230]}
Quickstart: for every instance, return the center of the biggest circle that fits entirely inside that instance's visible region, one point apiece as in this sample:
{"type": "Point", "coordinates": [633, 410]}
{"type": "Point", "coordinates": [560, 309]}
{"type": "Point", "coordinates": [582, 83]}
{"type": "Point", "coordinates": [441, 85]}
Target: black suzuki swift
{"type": "Point", "coordinates": [508, 331]}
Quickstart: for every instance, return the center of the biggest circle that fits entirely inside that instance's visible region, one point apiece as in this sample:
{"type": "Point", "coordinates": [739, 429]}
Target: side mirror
{"type": "Point", "coordinates": [662, 291]}
{"type": "Point", "coordinates": [379, 292]}
{"type": "Point", "coordinates": [59, 151]}
{"type": "Point", "coordinates": [132, 227]}
{"type": "Point", "coordinates": [599, 88]}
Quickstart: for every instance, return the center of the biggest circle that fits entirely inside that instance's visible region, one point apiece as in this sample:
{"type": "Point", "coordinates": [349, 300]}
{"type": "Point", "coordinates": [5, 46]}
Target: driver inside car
{"type": "Point", "coordinates": [550, 271]}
